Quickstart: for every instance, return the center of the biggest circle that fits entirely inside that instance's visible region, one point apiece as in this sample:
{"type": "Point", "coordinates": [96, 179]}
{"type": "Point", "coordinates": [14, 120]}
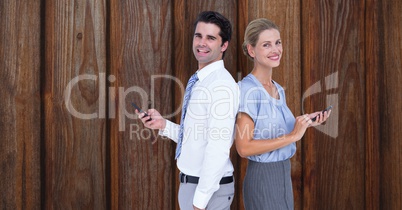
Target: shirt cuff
{"type": "Point", "coordinates": [161, 132]}
{"type": "Point", "coordinates": [201, 199]}
{"type": "Point", "coordinates": [169, 131]}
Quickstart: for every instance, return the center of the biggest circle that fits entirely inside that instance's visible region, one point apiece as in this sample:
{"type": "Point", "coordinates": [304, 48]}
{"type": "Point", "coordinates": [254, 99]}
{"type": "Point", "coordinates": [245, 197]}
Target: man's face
{"type": "Point", "coordinates": [207, 44]}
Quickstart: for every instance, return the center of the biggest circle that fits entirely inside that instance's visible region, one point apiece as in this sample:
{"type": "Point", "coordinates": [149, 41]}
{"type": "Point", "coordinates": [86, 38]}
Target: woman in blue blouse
{"type": "Point", "coordinates": [266, 130]}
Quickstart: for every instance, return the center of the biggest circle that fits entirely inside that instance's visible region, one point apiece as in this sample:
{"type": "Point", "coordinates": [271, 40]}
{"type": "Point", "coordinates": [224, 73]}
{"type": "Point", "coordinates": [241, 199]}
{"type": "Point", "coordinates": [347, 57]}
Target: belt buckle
{"type": "Point", "coordinates": [183, 178]}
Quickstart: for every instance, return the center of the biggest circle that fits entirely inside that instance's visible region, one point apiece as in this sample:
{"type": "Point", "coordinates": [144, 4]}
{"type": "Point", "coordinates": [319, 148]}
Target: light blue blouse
{"type": "Point", "coordinates": [272, 117]}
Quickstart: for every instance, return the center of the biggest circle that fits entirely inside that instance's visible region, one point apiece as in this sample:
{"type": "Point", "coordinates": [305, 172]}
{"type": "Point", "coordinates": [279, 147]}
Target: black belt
{"type": "Point", "coordinates": [194, 180]}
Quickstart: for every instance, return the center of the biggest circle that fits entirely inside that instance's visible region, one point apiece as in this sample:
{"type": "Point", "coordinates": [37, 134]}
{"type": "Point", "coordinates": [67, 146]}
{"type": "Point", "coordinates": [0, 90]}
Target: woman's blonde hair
{"type": "Point", "coordinates": [253, 31]}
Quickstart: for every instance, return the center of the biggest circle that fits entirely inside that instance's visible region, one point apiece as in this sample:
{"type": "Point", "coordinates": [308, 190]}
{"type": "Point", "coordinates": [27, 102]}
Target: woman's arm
{"type": "Point", "coordinates": [247, 146]}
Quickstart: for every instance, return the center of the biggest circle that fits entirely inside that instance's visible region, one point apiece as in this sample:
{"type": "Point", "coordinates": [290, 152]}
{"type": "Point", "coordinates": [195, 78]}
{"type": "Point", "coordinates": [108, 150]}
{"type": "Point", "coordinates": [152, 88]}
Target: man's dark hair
{"type": "Point", "coordinates": [219, 20]}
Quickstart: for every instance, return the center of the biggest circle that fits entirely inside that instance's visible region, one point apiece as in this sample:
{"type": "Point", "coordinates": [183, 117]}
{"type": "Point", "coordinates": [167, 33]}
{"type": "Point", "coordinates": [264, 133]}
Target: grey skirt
{"type": "Point", "coordinates": [268, 186]}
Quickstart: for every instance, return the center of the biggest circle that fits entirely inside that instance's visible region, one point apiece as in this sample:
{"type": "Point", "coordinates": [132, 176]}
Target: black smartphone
{"type": "Point", "coordinates": [325, 110]}
{"type": "Point", "coordinates": [141, 111]}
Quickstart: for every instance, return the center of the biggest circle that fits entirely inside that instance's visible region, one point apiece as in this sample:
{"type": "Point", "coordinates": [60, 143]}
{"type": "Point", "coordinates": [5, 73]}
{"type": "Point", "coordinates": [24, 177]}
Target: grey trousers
{"type": "Point", "coordinates": [220, 200]}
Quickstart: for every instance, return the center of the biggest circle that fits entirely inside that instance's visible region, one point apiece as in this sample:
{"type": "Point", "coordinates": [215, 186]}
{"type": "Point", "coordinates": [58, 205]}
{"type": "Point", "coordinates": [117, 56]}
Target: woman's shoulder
{"type": "Point", "coordinates": [247, 82]}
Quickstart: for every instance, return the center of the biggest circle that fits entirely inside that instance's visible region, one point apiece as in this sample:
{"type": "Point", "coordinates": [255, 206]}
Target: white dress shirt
{"type": "Point", "coordinates": [208, 130]}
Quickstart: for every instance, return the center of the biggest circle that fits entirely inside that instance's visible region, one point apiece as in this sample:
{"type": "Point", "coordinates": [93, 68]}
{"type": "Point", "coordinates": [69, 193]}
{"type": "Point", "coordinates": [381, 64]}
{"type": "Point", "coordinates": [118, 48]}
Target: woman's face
{"type": "Point", "coordinates": [268, 50]}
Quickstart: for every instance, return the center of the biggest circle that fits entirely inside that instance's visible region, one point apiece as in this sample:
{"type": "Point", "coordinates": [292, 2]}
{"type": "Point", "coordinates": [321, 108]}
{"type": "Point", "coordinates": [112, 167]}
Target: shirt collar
{"type": "Point", "coordinates": [204, 72]}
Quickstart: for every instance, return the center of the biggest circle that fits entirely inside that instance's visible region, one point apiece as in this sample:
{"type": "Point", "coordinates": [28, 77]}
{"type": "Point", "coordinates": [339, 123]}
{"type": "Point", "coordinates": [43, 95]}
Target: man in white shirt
{"type": "Point", "coordinates": [206, 135]}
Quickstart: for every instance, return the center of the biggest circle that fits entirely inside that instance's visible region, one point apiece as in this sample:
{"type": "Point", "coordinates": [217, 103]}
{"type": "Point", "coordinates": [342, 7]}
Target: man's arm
{"type": "Point", "coordinates": [154, 120]}
{"type": "Point", "coordinates": [223, 110]}
{"type": "Point", "coordinates": [171, 131]}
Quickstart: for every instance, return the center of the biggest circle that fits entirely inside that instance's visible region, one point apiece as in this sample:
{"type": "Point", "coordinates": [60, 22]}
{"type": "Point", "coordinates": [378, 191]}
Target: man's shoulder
{"type": "Point", "coordinates": [222, 74]}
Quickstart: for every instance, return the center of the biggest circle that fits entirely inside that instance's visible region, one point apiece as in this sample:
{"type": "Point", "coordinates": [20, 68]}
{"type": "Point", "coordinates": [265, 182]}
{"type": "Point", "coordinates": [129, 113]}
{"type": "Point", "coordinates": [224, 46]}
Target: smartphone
{"type": "Point", "coordinates": [141, 111]}
{"type": "Point", "coordinates": [325, 110]}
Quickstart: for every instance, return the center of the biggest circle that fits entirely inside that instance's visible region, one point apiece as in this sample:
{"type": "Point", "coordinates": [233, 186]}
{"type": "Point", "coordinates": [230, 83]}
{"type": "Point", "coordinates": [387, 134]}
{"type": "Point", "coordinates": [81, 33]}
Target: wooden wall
{"type": "Point", "coordinates": [70, 69]}
{"type": "Point", "coordinates": [389, 87]}
{"type": "Point", "coordinates": [21, 144]}
{"type": "Point", "coordinates": [334, 170]}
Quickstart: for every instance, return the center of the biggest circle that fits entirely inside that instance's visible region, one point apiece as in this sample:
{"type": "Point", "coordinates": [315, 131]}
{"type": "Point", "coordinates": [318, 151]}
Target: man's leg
{"type": "Point", "coordinates": [186, 195]}
{"type": "Point", "coordinates": [222, 199]}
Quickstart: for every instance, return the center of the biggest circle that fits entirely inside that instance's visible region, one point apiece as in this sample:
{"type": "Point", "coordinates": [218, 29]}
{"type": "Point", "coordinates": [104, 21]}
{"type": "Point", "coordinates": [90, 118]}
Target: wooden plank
{"type": "Point", "coordinates": [333, 56]}
{"type": "Point", "coordinates": [75, 175]}
{"type": "Point", "coordinates": [182, 42]}
{"type": "Point", "coordinates": [244, 66]}
{"type": "Point", "coordinates": [373, 111]}
{"type": "Point", "coordinates": [391, 118]}
{"type": "Point", "coordinates": [20, 105]}
{"type": "Point", "coordinates": [185, 64]}
{"type": "Point", "coordinates": [286, 14]}
{"type": "Point", "coordinates": [243, 69]}
{"type": "Point", "coordinates": [140, 48]}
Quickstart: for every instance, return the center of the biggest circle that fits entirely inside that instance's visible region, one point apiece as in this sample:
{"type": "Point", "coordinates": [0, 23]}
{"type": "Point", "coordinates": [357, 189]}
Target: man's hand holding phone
{"type": "Point", "coordinates": [151, 119]}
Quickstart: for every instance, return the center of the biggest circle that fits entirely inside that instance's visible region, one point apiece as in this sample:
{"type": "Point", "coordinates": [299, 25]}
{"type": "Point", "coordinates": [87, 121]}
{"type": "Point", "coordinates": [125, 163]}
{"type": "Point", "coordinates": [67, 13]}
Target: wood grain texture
{"type": "Point", "coordinates": [140, 48]}
{"type": "Point", "coordinates": [373, 111]}
{"type": "Point", "coordinates": [390, 98]}
{"type": "Point", "coordinates": [74, 146]}
{"type": "Point", "coordinates": [333, 56]}
{"type": "Point", "coordinates": [243, 69]}
{"type": "Point", "coordinates": [20, 105]}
